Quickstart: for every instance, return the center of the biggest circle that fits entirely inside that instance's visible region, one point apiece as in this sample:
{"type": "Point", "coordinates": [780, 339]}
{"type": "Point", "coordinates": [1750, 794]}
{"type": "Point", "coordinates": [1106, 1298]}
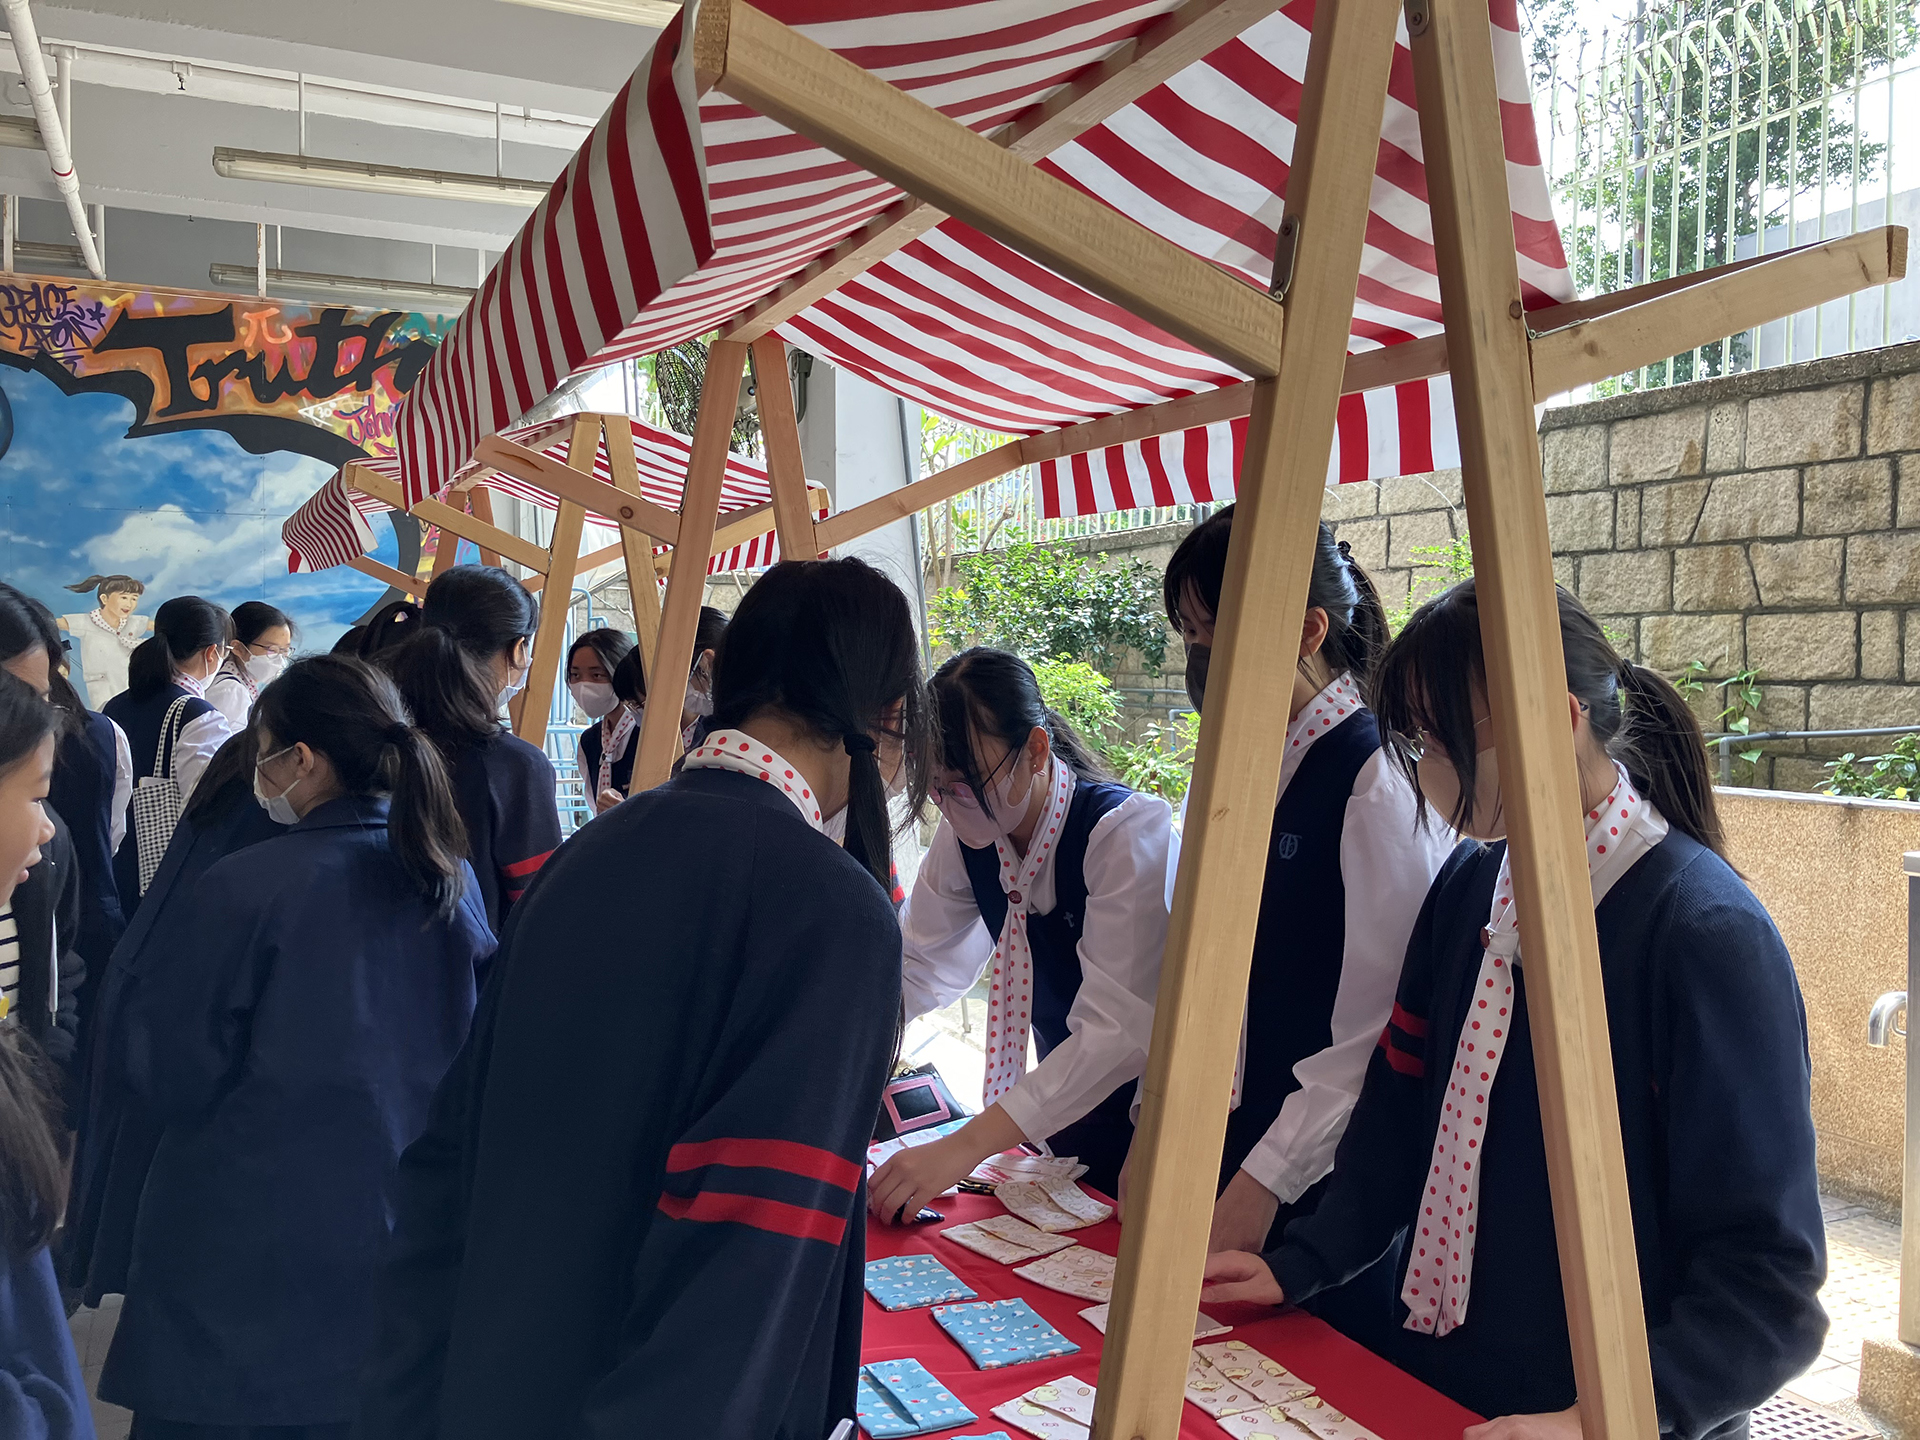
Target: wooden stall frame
{"type": "Point", "coordinates": [1502, 358]}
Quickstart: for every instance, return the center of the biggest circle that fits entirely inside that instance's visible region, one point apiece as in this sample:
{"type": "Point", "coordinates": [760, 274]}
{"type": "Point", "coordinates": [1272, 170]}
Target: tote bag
{"type": "Point", "coordinates": [157, 801]}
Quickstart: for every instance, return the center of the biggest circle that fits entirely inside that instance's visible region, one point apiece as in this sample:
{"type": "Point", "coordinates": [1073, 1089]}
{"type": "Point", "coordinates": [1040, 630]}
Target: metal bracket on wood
{"type": "Point", "coordinates": [1285, 247]}
{"type": "Point", "coordinates": [1419, 16]}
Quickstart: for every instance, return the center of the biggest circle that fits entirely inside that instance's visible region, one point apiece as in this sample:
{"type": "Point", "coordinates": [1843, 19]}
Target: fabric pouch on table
{"type": "Point", "coordinates": [900, 1397]}
{"type": "Point", "coordinates": [1268, 1381]}
{"type": "Point", "coordinates": [1053, 1205]}
{"type": "Point", "coordinates": [1062, 1410]}
{"type": "Point", "coordinates": [1204, 1325]}
{"type": "Point", "coordinates": [907, 1282]}
{"type": "Point", "coordinates": [1004, 1238]}
{"type": "Point", "coordinates": [995, 1333]}
{"type": "Point", "coordinates": [1079, 1271]}
{"type": "Point", "coordinates": [1314, 1415]}
{"type": "Point", "coordinates": [1212, 1391]}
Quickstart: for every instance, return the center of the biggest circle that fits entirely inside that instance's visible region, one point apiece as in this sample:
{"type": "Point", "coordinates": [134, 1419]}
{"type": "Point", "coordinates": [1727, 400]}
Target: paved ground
{"type": "Point", "coordinates": [1862, 1297]}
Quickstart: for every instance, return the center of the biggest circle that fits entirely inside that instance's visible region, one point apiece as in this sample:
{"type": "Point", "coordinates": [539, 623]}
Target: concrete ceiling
{"type": "Point", "coordinates": [157, 84]}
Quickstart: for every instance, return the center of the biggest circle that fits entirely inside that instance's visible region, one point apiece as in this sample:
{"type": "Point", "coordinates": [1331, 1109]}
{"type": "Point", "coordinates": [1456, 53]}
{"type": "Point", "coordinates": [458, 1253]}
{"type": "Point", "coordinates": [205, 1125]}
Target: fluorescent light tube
{"type": "Point", "coordinates": [20, 132]}
{"type": "Point", "coordinates": [306, 285]}
{"type": "Point", "coordinates": [626, 12]}
{"type": "Point", "coordinates": [376, 179]}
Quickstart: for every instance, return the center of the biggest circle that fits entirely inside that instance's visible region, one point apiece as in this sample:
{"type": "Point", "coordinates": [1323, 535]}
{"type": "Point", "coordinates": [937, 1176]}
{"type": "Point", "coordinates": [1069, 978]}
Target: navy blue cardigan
{"type": "Point", "coordinates": [42, 1395]}
{"type": "Point", "coordinates": [292, 1054]}
{"type": "Point", "coordinates": [504, 790]}
{"type": "Point", "coordinates": [639, 1207]}
{"type": "Point", "coordinates": [1710, 1064]}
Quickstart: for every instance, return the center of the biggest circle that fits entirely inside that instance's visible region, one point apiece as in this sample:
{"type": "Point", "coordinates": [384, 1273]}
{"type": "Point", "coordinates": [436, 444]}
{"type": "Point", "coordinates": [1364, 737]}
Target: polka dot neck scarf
{"type": "Point", "coordinates": [1621, 829]}
{"type": "Point", "coordinates": [614, 745]}
{"type": "Point", "coordinates": [737, 750]}
{"type": "Point", "coordinates": [1010, 996]}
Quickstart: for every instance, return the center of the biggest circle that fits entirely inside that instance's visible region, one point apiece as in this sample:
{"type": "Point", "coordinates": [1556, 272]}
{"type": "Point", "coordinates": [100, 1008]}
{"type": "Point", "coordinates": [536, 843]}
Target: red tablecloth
{"type": "Point", "coordinates": [1393, 1405]}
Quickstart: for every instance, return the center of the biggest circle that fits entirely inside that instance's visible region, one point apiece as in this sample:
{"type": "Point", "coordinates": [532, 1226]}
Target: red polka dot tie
{"type": "Point", "coordinates": [1621, 829]}
{"type": "Point", "coordinates": [737, 750]}
{"type": "Point", "coordinates": [1010, 992]}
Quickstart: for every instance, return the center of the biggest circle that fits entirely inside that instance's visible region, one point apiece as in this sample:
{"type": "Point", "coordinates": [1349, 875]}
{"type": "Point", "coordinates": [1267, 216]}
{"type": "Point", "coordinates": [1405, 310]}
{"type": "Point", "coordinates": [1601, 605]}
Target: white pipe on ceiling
{"type": "Point", "coordinates": [33, 69]}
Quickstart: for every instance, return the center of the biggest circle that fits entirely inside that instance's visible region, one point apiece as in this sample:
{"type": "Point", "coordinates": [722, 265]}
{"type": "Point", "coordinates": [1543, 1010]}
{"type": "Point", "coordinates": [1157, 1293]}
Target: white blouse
{"type": "Point", "coordinates": [1387, 864]}
{"type": "Point", "coordinates": [948, 949]}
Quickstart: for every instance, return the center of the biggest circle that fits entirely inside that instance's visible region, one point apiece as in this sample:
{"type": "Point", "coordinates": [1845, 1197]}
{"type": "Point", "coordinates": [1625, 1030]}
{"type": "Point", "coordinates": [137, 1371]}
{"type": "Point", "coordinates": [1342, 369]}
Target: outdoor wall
{"type": "Point", "coordinates": [1829, 872]}
{"type": "Point", "coordinates": [1769, 520]}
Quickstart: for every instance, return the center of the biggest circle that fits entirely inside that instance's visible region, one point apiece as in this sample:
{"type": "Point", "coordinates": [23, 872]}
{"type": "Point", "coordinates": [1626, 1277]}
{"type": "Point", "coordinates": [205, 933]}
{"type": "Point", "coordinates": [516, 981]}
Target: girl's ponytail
{"type": "Point", "coordinates": [1665, 753]}
{"type": "Point", "coordinates": [1368, 635]}
{"type": "Point", "coordinates": [869, 838]}
{"type": "Point", "coordinates": [423, 823]}
{"type": "Point", "coordinates": [149, 667]}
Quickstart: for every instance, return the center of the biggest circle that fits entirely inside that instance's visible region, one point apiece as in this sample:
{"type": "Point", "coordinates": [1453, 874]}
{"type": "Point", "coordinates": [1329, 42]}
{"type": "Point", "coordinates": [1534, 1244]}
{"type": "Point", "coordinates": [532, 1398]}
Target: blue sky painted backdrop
{"type": "Point", "coordinates": [189, 513]}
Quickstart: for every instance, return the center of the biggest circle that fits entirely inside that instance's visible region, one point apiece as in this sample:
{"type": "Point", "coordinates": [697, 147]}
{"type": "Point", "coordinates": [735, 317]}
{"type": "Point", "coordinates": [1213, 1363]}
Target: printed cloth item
{"type": "Point", "coordinates": [1062, 1410]}
{"type": "Point", "coordinates": [907, 1282]}
{"type": "Point", "coordinates": [1053, 1205]}
{"type": "Point", "coordinates": [612, 747]}
{"type": "Point", "coordinates": [996, 1333]}
{"type": "Point", "coordinates": [1204, 1325]}
{"type": "Point", "coordinates": [881, 1151]}
{"type": "Point", "coordinates": [1267, 1380]}
{"type": "Point", "coordinates": [1312, 1414]}
{"type": "Point", "coordinates": [1018, 1165]}
{"type": "Point", "coordinates": [1078, 1271]}
{"type": "Point", "coordinates": [1010, 996]}
{"type": "Point", "coordinates": [1621, 829]}
{"type": "Point", "coordinates": [736, 750]}
{"type": "Point", "coordinates": [1006, 1239]}
{"type": "Point", "coordinates": [1212, 1391]}
{"type": "Point", "coordinates": [900, 1397]}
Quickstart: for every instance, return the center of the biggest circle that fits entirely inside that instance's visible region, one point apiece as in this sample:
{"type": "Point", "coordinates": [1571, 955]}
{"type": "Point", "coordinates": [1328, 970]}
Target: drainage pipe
{"type": "Point", "coordinates": [33, 69]}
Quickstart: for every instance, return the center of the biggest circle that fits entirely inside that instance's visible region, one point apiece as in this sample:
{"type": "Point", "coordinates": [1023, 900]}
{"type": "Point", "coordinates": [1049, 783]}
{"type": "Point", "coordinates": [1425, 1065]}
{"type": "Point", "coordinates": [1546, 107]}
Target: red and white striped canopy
{"type": "Point", "coordinates": [622, 260]}
{"type": "Point", "coordinates": [332, 528]}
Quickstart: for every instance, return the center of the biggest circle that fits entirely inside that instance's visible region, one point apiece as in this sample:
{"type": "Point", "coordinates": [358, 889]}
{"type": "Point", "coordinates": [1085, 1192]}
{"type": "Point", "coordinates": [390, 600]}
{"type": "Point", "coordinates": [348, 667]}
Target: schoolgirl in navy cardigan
{"type": "Point", "coordinates": [1708, 1041]}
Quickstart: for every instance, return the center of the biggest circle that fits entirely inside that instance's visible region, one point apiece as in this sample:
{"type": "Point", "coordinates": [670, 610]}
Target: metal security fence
{"type": "Point", "coordinates": [1697, 132]}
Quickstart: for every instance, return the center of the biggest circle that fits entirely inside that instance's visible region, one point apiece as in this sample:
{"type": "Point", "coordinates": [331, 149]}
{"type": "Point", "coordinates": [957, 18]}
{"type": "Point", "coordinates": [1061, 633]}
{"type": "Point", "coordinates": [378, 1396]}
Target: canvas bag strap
{"type": "Point", "coordinates": [170, 728]}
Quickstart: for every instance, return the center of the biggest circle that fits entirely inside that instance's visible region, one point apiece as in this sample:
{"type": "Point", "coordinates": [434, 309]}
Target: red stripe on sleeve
{"type": "Point", "coordinates": [808, 1161]}
{"type": "Point", "coordinates": [1412, 1024]}
{"type": "Point", "coordinates": [1401, 1060]}
{"type": "Point", "coordinates": [525, 867]}
{"type": "Point", "coordinates": [714, 1207]}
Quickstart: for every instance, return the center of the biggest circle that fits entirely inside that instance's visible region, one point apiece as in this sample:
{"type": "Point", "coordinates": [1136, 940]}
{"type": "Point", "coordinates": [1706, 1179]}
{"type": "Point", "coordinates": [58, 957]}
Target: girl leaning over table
{"type": "Point", "coordinates": [1709, 1052]}
{"type": "Point", "coordinates": [1348, 864]}
{"type": "Point", "coordinates": [1047, 875]}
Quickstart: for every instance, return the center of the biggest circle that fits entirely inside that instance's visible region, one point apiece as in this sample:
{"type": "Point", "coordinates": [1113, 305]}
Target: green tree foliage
{"type": "Point", "coordinates": [1893, 776]}
{"type": "Point", "coordinates": [1080, 695]}
{"type": "Point", "coordinates": [1045, 604]}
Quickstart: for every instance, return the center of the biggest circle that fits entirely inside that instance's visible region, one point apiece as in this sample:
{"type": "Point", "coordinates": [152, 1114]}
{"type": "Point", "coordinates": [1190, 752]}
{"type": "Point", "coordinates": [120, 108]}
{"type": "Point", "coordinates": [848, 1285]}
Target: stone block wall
{"type": "Point", "coordinates": [1768, 521]}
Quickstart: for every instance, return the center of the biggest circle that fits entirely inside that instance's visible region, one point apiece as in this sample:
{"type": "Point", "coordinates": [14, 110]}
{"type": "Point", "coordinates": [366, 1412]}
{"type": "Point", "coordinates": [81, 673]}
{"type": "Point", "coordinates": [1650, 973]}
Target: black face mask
{"type": "Point", "coordinates": [1197, 658]}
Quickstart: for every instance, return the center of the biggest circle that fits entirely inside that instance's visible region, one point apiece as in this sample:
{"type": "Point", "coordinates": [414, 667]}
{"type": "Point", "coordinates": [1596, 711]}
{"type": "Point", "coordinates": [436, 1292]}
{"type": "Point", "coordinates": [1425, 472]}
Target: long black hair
{"type": "Point", "coordinates": [990, 692]}
{"type": "Point", "coordinates": [471, 614]}
{"type": "Point", "coordinates": [392, 624]}
{"type": "Point", "coordinates": [630, 680]}
{"type": "Point", "coordinates": [26, 624]}
{"type": "Point", "coordinates": [1428, 676]}
{"type": "Point", "coordinates": [831, 643]}
{"type": "Point", "coordinates": [485, 609]}
{"type": "Point", "coordinates": [227, 781]}
{"type": "Point", "coordinates": [1356, 620]}
{"type": "Point", "coordinates": [352, 713]}
{"type": "Point", "coordinates": [184, 626]}
{"type": "Point", "coordinates": [253, 618]}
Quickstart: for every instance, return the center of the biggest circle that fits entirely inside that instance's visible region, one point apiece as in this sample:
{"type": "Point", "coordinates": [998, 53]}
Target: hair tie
{"type": "Point", "coordinates": [1346, 551]}
{"type": "Point", "coordinates": [398, 733]}
{"type": "Point", "coordinates": [858, 743]}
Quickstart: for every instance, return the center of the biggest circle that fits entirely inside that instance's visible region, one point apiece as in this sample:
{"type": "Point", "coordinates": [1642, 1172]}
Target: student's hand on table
{"type": "Point", "coordinates": [1560, 1425]}
{"type": "Point", "coordinates": [1235, 1277]}
{"type": "Point", "coordinates": [913, 1178]}
{"type": "Point", "coordinates": [1242, 1215]}
{"type": "Point", "coordinates": [606, 800]}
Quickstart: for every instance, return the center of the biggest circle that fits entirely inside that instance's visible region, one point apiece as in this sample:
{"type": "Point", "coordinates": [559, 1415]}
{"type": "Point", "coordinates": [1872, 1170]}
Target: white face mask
{"type": "Point", "coordinates": [278, 807]}
{"type": "Point", "coordinates": [515, 684]}
{"type": "Point", "coordinates": [594, 697]}
{"type": "Point", "coordinates": [974, 827]}
{"type": "Point", "coordinates": [265, 669]}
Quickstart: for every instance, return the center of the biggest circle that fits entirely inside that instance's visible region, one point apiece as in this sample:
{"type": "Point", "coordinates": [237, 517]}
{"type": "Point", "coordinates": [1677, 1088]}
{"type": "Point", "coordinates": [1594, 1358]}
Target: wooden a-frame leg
{"type": "Point", "coordinates": [636, 547]}
{"type": "Point", "coordinates": [780, 431]}
{"type": "Point", "coordinates": [550, 639]}
{"type": "Point", "coordinates": [480, 506]}
{"type": "Point", "coordinates": [1493, 399]}
{"type": "Point", "coordinates": [446, 549]}
{"type": "Point", "coordinates": [659, 742]}
{"type": "Point", "coordinates": [1203, 983]}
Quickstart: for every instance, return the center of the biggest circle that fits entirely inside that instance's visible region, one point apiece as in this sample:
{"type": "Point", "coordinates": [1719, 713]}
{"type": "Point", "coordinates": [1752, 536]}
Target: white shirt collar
{"type": "Point", "coordinates": [1316, 718]}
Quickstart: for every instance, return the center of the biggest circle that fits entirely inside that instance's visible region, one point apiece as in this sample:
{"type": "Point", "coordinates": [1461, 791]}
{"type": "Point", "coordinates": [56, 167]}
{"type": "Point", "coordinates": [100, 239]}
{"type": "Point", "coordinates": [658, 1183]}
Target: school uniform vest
{"type": "Point", "coordinates": [142, 719]}
{"type": "Point", "coordinates": [82, 791]}
{"type": "Point", "coordinates": [1300, 944]}
{"type": "Point", "coordinates": [1101, 1137]}
{"type": "Point", "coordinates": [621, 773]}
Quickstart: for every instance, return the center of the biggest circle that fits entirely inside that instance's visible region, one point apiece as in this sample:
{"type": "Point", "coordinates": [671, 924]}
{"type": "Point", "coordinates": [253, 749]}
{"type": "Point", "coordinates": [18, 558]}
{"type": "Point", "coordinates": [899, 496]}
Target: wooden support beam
{"type": "Point", "coordinates": [659, 743]}
{"type": "Point", "coordinates": [811, 90]}
{"type": "Point", "coordinates": [1717, 303]}
{"type": "Point", "coordinates": [492, 540]}
{"type": "Point", "coordinates": [550, 639]}
{"type": "Point", "coordinates": [592, 560]}
{"type": "Point", "coordinates": [780, 432]}
{"type": "Point", "coordinates": [569, 482]}
{"type": "Point", "coordinates": [480, 503]}
{"type": "Point", "coordinates": [387, 575]}
{"type": "Point", "coordinates": [1161, 51]}
{"type": "Point", "coordinates": [1493, 400]}
{"type": "Point", "coordinates": [1216, 907]}
{"type": "Point", "coordinates": [446, 549]}
{"type": "Point", "coordinates": [643, 586]}
{"type": "Point", "coordinates": [373, 483]}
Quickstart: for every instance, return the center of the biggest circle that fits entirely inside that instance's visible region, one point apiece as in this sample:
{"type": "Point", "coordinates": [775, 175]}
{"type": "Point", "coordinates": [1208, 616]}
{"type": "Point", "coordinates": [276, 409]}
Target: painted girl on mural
{"type": "Point", "coordinates": [107, 634]}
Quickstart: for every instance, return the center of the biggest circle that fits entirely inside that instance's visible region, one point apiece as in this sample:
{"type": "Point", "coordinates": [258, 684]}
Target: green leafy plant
{"type": "Point", "coordinates": [1046, 604]}
{"type": "Point", "coordinates": [1740, 696]}
{"type": "Point", "coordinates": [1082, 695]}
{"type": "Point", "coordinates": [1449, 564]}
{"type": "Point", "coordinates": [1893, 776]}
{"type": "Point", "coordinates": [1160, 763]}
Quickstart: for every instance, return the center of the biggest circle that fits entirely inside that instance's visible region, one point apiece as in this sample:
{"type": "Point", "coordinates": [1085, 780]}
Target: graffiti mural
{"type": "Point", "coordinates": [166, 435]}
